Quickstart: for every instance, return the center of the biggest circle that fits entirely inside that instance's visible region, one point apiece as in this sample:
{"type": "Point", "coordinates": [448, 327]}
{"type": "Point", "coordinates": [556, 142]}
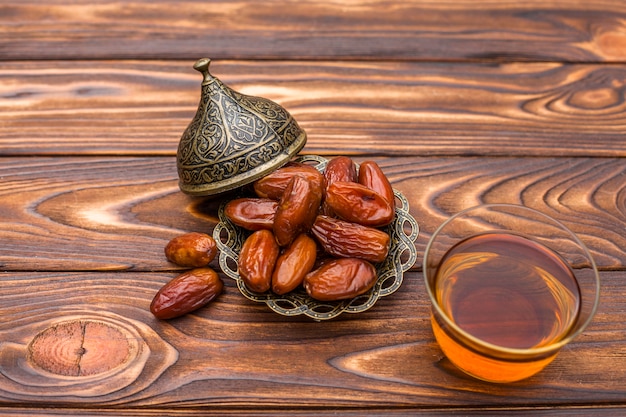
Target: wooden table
{"type": "Point", "coordinates": [461, 102]}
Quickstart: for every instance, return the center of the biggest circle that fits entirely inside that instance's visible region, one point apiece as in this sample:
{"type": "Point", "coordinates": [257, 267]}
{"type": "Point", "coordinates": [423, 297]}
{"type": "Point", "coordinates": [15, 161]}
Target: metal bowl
{"type": "Point", "coordinates": [402, 256]}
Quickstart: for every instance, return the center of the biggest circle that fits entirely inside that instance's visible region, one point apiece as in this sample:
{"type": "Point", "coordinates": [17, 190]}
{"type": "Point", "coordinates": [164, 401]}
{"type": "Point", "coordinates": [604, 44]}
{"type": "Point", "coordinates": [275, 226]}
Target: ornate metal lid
{"type": "Point", "coordinates": [234, 139]}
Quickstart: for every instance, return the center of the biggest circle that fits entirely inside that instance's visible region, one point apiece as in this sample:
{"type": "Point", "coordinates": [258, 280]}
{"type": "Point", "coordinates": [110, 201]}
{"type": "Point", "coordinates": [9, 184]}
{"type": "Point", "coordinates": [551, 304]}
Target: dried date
{"type": "Point", "coordinates": [351, 240]}
{"type": "Point", "coordinates": [296, 210]}
{"type": "Point", "coordinates": [293, 264]}
{"type": "Point", "coordinates": [257, 260]}
{"type": "Point", "coordinates": [273, 185]}
{"type": "Point", "coordinates": [356, 203]}
{"type": "Point", "coordinates": [340, 279]}
{"type": "Point", "coordinates": [192, 249]}
{"type": "Point", "coordinates": [373, 177]}
{"type": "Point", "coordinates": [252, 213]}
{"type": "Point", "coordinates": [340, 168]}
{"type": "Point", "coordinates": [185, 293]}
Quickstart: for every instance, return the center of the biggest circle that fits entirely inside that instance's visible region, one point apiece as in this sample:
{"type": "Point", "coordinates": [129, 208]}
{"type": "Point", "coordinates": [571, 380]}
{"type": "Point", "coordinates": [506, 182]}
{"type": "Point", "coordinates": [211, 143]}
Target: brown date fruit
{"type": "Point", "coordinates": [273, 185]}
{"type": "Point", "coordinates": [185, 293]}
{"type": "Point", "coordinates": [252, 213]}
{"type": "Point", "coordinates": [373, 177]}
{"type": "Point", "coordinates": [351, 240]}
{"type": "Point", "coordinates": [356, 203]}
{"type": "Point", "coordinates": [296, 210]}
{"type": "Point", "coordinates": [191, 249]}
{"type": "Point", "coordinates": [340, 168]}
{"type": "Point", "coordinates": [257, 259]}
{"type": "Point", "coordinates": [293, 264]}
{"type": "Point", "coordinates": [340, 279]}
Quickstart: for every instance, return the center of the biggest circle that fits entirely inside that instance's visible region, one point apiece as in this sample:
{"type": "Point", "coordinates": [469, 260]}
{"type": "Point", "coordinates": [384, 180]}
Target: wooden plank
{"type": "Point", "coordinates": [99, 213]}
{"type": "Point", "coordinates": [535, 30]}
{"type": "Point", "coordinates": [237, 354]}
{"type": "Point", "coordinates": [600, 411]}
{"type": "Point", "coordinates": [574, 411]}
{"type": "Point", "coordinates": [378, 108]}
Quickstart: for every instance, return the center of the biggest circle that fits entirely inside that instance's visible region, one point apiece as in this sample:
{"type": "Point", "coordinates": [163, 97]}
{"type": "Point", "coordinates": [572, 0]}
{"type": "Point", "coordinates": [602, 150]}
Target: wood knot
{"type": "Point", "coordinates": [595, 99]}
{"type": "Point", "coordinates": [613, 44]}
{"type": "Point", "coordinates": [79, 348]}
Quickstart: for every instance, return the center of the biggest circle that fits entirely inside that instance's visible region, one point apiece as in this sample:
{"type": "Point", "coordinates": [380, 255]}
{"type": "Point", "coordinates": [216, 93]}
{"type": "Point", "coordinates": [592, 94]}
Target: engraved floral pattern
{"type": "Point", "coordinates": [234, 139]}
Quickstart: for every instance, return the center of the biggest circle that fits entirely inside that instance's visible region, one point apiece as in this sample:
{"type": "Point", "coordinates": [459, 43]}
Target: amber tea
{"type": "Point", "coordinates": [504, 302]}
{"type": "Point", "coordinates": [507, 290]}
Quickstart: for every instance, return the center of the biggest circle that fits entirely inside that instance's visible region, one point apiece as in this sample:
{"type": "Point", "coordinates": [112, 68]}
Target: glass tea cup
{"type": "Point", "coordinates": [509, 287]}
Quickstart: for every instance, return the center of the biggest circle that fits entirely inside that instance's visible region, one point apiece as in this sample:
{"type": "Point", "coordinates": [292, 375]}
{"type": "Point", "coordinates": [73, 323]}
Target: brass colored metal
{"type": "Point", "coordinates": [234, 139]}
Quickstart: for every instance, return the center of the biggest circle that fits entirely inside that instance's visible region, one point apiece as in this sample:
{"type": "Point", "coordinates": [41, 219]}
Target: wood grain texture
{"type": "Point", "coordinates": [460, 101]}
{"type": "Point", "coordinates": [377, 108]}
{"type": "Point", "coordinates": [235, 353]}
{"type": "Point", "coordinates": [93, 213]}
{"type": "Point", "coordinates": [575, 411]}
{"type": "Point", "coordinates": [535, 30]}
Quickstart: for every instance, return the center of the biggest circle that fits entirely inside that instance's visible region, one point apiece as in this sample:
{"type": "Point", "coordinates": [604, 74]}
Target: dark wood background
{"type": "Point", "coordinates": [460, 102]}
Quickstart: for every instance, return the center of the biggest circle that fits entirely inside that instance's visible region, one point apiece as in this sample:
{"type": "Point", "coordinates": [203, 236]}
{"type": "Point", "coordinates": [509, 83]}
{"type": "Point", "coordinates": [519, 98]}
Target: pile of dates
{"type": "Point", "coordinates": [311, 229]}
{"type": "Point", "coordinates": [191, 289]}
{"type": "Point", "coordinates": [300, 214]}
